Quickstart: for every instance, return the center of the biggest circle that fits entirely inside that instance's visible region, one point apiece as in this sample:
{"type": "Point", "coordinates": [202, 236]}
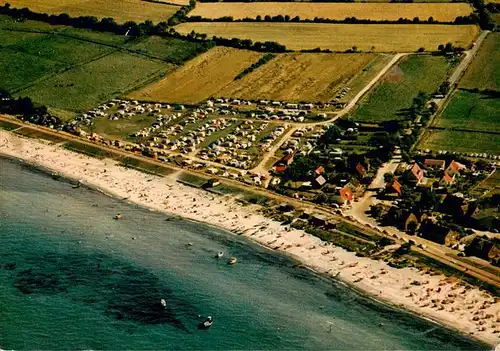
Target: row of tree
{"type": "Point", "coordinates": [147, 28]}
{"type": "Point", "coordinates": [262, 61]}
{"type": "Point", "coordinates": [470, 19]}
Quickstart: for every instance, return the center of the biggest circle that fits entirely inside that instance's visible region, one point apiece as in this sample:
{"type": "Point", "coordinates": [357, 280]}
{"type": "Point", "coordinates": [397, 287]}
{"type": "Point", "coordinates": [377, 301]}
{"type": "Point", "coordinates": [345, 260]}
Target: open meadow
{"type": "Point", "coordinates": [298, 77]}
{"type": "Point", "coordinates": [484, 71]}
{"type": "Point", "coordinates": [443, 12]}
{"type": "Point", "coordinates": [341, 37]}
{"type": "Point", "coordinates": [471, 111]}
{"type": "Point", "coordinates": [85, 86]}
{"type": "Point", "coordinates": [199, 78]}
{"type": "Point", "coordinates": [395, 93]}
{"type": "Point", "coordinates": [121, 10]}
{"type": "Point", "coordinates": [450, 140]}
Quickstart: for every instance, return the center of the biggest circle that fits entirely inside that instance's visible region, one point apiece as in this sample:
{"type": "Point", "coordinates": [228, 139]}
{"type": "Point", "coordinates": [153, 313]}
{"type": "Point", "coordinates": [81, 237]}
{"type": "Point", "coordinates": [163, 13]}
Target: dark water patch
{"type": "Point", "coordinates": [119, 289]}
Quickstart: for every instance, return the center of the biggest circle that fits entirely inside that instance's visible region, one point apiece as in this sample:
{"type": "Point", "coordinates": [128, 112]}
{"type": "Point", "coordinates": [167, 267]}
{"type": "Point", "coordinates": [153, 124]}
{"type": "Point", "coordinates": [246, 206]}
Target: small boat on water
{"type": "Point", "coordinates": [206, 324]}
{"type": "Point", "coordinates": [163, 302]}
{"type": "Point", "coordinates": [232, 260]}
{"type": "Point", "coordinates": [118, 216]}
{"type": "Point", "coordinates": [220, 254]}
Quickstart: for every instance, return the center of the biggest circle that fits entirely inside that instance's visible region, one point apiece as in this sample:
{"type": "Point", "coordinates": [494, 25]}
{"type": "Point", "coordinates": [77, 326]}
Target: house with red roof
{"type": "Point", "coordinates": [361, 169]}
{"type": "Point", "coordinates": [415, 174]}
{"type": "Point", "coordinates": [320, 170]}
{"type": "Point", "coordinates": [393, 188]}
{"type": "Point", "coordinates": [434, 164]}
{"type": "Point", "coordinates": [455, 168]}
{"type": "Point", "coordinates": [447, 180]}
{"type": "Point", "coordinates": [344, 196]}
{"type": "Point", "coordinates": [286, 160]}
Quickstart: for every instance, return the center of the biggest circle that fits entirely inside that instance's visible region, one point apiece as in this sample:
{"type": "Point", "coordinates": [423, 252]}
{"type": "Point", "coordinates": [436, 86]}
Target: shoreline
{"type": "Point", "coordinates": [469, 310]}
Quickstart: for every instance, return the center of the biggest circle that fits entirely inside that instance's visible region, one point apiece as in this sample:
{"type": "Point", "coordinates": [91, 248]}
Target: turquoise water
{"type": "Point", "coordinates": [71, 277]}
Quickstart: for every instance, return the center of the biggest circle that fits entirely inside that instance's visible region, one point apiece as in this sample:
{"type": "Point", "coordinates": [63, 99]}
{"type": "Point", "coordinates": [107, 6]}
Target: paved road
{"type": "Point", "coordinates": [469, 55]}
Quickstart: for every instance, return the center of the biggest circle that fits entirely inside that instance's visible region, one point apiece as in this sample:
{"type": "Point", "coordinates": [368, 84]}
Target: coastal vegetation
{"type": "Point", "coordinates": [340, 37]}
{"type": "Point", "coordinates": [400, 86]}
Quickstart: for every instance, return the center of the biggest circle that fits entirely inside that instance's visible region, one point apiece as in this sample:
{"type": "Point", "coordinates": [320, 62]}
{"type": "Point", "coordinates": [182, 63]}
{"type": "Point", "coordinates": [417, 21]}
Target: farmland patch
{"type": "Point", "coordinates": [125, 10]}
{"type": "Point", "coordinates": [443, 12]}
{"type": "Point", "coordinates": [469, 142]}
{"type": "Point", "coordinates": [471, 111]}
{"type": "Point", "coordinates": [199, 78]}
{"type": "Point", "coordinates": [395, 93]}
{"type": "Point", "coordinates": [86, 86]}
{"type": "Point", "coordinates": [484, 71]}
{"type": "Point", "coordinates": [341, 37]}
{"type": "Point", "coordinates": [297, 77]}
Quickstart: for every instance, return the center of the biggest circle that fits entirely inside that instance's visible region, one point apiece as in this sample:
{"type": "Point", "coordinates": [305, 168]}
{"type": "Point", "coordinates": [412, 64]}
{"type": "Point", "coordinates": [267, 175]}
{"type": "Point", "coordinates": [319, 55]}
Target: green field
{"type": "Point", "coordinates": [472, 111]}
{"type": "Point", "coordinates": [27, 57]}
{"type": "Point", "coordinates": [169, 49]}
{"type": "Point", "coordinates": [484, 71]}
{"type": "Point", "coordinates": [71, 69]}
{"type": "Point", "coordinates": [449, 140]}
{"type": "Point", "coordinates": [401, 84]}
{"type": "Point", "coordinates": [86, 86]}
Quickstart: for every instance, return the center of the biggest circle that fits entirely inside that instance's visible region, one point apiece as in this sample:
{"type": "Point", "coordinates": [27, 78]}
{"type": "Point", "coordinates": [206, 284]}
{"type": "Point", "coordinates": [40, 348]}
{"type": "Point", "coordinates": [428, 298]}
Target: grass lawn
{"type": "Point", "coordinates": [89, 150]}
{"type": "Point", "coordinates": [86, 86]}
{"type": "Point", "coordinates": [484, 71]}
{"type": "Point", "coordinates": [121, 128]}
{"type": "Point", "coordinates": [471, 111]}
{"type": "Point", "coordinates": [8, 126]}
{"type": "Point", "coordinates": [31, 133]}
{"type": "Point", "coordinates": [448, 140]}
{"type": "Point", "coordinates": [401, 84]}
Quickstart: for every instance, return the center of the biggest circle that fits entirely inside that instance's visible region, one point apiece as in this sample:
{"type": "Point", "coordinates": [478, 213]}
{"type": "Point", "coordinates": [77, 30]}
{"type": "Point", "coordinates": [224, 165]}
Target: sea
{"type": "Point", "coordinates": [72, 277]}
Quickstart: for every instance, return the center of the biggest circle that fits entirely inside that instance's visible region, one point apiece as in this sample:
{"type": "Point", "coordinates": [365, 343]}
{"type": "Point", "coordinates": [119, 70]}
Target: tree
{"type": "Point", "coordinates": [321, 199]}
{"type": "Point", "coordinates": [429, 200]}
{"type": "Point", "coordinates": [331, 135]}
{"type": "Point", "coordinates": [375, 211]}
{"type": "Point", "coordinates": [300, 168]}
{"type": "Point", "coordinates": [388, 177]}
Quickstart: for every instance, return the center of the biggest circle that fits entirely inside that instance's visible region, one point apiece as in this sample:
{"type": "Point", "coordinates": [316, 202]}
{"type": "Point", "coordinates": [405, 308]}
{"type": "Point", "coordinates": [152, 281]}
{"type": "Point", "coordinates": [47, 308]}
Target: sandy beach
{"type": "Point", "coordinates": [448, 301]}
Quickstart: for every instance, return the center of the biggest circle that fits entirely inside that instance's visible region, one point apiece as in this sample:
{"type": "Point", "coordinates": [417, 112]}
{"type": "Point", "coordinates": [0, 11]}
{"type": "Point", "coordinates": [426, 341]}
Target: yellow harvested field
{"type": "Point", "coordinates": [341, 37]}
{"type": "Point", "coordinates": [120, 10]}
{"type": "Point", "coordinates": [298, 76]}
{"type": "Point", "coordinates": [444, 12]}
{"type": "Point", "coordinates": [199, 78]}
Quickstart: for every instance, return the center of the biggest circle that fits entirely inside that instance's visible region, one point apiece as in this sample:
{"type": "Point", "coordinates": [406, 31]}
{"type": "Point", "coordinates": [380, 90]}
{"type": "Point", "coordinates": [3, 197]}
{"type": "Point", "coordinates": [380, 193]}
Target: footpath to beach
{"type": "Point", "coordinates": [446, 300]}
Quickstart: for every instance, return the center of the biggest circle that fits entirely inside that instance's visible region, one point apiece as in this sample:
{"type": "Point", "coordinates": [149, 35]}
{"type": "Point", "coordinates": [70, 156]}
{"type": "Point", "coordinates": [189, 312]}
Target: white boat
{"type": "Point", "coordinates": [163, 302]}
{"type": "Point", "coordinates": [220, 254]}
{"type": "Point", "coordinates": [207, 323]}
{"type": "Point", "coordinates": [232, 260]}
